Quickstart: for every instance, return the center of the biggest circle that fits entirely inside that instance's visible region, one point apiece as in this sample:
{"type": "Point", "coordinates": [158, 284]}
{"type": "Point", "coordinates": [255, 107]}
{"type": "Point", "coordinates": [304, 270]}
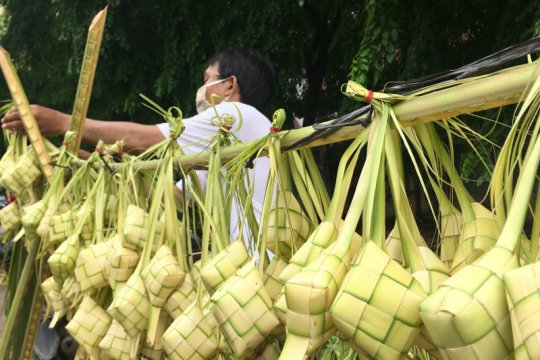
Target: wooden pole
{"type": "Point", "coordinates": [505, 87]}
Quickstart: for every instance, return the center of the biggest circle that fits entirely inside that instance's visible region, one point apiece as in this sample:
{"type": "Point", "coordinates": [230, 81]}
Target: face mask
{"type": "Point", "coordinates": [200, 99]}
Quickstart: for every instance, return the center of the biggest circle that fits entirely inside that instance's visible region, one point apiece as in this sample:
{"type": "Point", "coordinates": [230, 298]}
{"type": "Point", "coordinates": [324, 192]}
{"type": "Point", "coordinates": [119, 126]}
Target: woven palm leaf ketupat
{"type": "Point", "coordinates": [161, 277]}
{"type": "Point", "coordinates": [224, 265]}
{"type": "Point", "coordinates": [89, 326]}
{"type": "Point", "coordinates": [451, 223]}
{"type": "Point", "coordinates": [32, 215]}
{"type": "Point", "coordinates": [116, 343]}
{"type": "Point", "coordinates": [271, 279]}
{"type": "Point", "coordinates": [523, 296]}
{"type": "Point", "coordinates": [54, 298]}
{"type": "Point", "coordinates": [326, 232]}
{"type": "Point", "coordinates": [308, 319]}
{"type": "Point", "coordinates": [131, 306]}
{"type": "Point", "coordinates": [61, 226]}
{"type": "Point", "coordinates": [477, 237]}
{"type": "Point", "coordinates": [121, 263]}
{"type": "Point", "coordinates": [90, 266]}
{"type": "Point", "coordinates": [243, 309]}
{"type": "Point", "coordinates": [186, 293]}
{"type": "Point", "coordinates": [382, 326]}
{"type": "Point", "coordinates": [393, 245]}
{"type": "Point", "coordinates": [62, 261]}
{"type": "Point", "coordinates": [10, 216]}
{"type": "Point", "coordinates": [480, 228]}
{"type": "Point", "coordinates": [424, 265]}
{"type": "Point", "coordinates": [287, 226]}
{"type": "Point", "coordinates": [190, 336]}
{"type": "Point", "coordinates": [136, 228]}
{"type": "Point", "coordinates": [468, 315]}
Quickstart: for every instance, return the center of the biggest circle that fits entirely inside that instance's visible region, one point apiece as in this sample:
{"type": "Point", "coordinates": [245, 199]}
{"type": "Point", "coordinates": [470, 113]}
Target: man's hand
{"type": "Point", "coordinates": [50, 122]}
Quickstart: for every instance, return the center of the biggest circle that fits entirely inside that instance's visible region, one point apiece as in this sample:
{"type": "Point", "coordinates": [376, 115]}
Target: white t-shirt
{"type": "Point", "coordinates": [197, 136]}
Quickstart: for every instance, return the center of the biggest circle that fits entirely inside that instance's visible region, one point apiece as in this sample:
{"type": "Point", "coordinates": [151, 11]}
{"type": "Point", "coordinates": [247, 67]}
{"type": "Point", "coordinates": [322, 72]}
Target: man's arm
{"type": "Point", "coordinates": [137, 137]}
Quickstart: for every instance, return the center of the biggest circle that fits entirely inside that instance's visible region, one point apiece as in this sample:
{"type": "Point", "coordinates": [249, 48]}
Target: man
{"type": "Point", "coordinates": [238, 80]}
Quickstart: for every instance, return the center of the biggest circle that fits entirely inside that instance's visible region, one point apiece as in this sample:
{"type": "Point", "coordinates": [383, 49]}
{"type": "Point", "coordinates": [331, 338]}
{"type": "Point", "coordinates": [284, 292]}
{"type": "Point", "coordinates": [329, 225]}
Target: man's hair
{"type": "Point", "coordinates": [255, 73]}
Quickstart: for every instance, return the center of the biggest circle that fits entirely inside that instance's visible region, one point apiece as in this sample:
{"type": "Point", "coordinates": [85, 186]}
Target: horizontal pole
{"type": "Point", "coordinates": [502, 88]}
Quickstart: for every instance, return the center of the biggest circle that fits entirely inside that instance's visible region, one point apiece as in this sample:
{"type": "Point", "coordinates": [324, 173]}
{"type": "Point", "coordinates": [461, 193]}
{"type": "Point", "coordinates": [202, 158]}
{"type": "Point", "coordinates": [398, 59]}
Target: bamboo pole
{"type": "Point", "coordinates": [86, 78]}
{"type": "Point", "coordinates": [505, 87]}
{"type": "Point", "coordinates": [80, 108]}
{"type": "Point", "coordinates": [22, 288]}
{"type": "Point", "coordinates": [27, 117]}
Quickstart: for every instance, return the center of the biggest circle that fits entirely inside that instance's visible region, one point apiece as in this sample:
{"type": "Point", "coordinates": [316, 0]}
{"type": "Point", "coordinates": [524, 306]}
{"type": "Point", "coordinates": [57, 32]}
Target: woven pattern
{"type": "Point", "coordinates": [270, 352]}
{"type": "Point", "coordinates": [288, 226]}
{"type": "Point", "coordinates": [323, 236]}
{"type": "Point", "coordinates": [6, 162]}
{"type": "Point", "coordinates": [185, 294]}
{"type": "Point", "coordinates": [435, 272]}
{"type": "Point", "coordinates": [121, 262]}
{"type": "Point", "coordinates": [61, 226]}
{"type": "Point", "coordinates": [309, 296]}
{"type": "Point", "coordinates": [151, 353]}
{"type": "Point", "coordinates": [53, 296]}
{"type": "Point", "coordinates": [87, 231]}
{"type": "Point", "coordinates": [451, 224]}
{"type": "Point", "coordinates": [32, 215]}
{"type": "Point", "coordinates": [181, 298]}
{"type": "Point", "coordinates": [62, 261]}
{"type": "Point", "coordinates": [44, 226]}
{"type": "Point", "coordinates": [190, 336]}
{"type": "Point", "coordinates": [130, 306]}
{"type": "Point", "coordinates": [90, 266]}
{"type": "Point", "coordinates": [477, 237]}
{"type": "Point", "coordinates": [116, 342]}
{"type": "Point", "coordinates": [393, 245]}
{"type": "Point", "coordinates": [468, 317]}
{"type": "Point", "coordinates": [26, 171]}
{"type": "Point", "coordinates": [224, 265]}
{"type": "Point", "coordinates": [10, 216]}
{"type": "Point", "coordinates": [89, 325]}
{"type": "Point", "coordinates": [385, 299]}
{"type": "Point", "coordinates": [272, 283]}
{"type": "Point", "coordinates": [162, 275]}
{"type": "Point", "coordinates": [10, 181]}
{"type": "Point", "coordinates": [242, 307]}
{"type": "Point", "coordinates": [137, 227]}
{"type": "Point", "coordinates": [523, 296]}
{"type": "Point", "coordinates": [280, 307]}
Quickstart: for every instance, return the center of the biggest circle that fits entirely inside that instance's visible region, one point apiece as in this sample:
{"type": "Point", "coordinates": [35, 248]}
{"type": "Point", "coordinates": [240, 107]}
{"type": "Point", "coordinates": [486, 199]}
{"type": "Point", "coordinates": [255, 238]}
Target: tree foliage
{"type": "Point", "coordinates": [158, 47]}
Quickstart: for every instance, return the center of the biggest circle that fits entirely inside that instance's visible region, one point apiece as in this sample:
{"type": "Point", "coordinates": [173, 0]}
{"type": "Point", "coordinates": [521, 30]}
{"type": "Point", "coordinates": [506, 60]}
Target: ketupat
{"type": "Point", "coordinates": [468, 315]}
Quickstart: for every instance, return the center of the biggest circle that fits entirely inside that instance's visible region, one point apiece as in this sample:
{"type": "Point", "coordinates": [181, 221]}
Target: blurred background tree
{"type": "Point", "coordinates": [159, 47]}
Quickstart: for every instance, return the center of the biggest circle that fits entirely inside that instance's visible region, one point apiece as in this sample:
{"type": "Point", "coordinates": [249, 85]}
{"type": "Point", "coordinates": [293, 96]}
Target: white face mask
{"type": "Point", "coordinates": [200, 99]}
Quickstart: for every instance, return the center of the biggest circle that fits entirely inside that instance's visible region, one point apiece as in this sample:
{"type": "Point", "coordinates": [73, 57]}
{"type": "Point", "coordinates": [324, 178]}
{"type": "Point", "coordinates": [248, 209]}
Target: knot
{"type": "Point", "coordinates": [225, 127]}
{"type": "Point", "coordinates": [274, 129]}
{"type": "Point", "coordinates": [98, 150]}
{"type": "Point", "coordinates": [65, 144]}
{"type": "Point", "coordinates": [11, 199]}
{"type": "Point", "coordinates": [369, 96]}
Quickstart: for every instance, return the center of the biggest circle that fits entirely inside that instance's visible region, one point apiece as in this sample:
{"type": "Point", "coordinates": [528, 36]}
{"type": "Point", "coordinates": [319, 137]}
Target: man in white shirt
{"type": "Point", "coordinates": [237, 80]}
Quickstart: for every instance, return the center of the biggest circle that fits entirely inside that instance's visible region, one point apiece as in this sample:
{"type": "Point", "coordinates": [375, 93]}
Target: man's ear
{"type": "Point", "coordinates": [233, 87]}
